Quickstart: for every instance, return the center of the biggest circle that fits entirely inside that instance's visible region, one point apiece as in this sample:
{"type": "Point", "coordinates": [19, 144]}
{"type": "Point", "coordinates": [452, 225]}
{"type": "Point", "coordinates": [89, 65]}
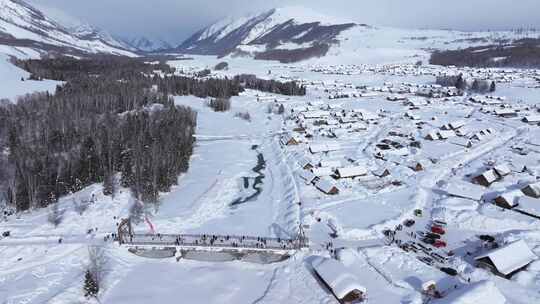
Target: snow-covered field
{"type": "Point", "coordinates": [218, 196]}
{"type": "Point", "coordinates": [13, 86]}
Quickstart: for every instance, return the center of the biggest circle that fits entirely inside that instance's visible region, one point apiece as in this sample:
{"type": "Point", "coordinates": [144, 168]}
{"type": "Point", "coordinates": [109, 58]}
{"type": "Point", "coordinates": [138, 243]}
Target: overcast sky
{"type": "Point", "coordinates": [175, 20]}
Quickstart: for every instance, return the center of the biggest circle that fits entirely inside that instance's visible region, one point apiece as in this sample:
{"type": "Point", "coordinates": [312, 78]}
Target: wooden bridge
{"type": "Point", "coordinates": [210, 241]}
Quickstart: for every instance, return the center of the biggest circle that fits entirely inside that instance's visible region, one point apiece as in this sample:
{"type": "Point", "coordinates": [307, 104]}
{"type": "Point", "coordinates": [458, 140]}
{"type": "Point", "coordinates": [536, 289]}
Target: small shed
{"type": "Point", "coordinates": [341, 282]}
{"type": "Point", "coordinates": [507, 260]}
{"type": "Point", "coordinates": [532, 190]}
{"type": "Point", "coordinates": [288, 140]}
{"type": "Point", "coordinates": [326, 186]}
{"type": "Point", "coordinates": [304, 163]}
{"type": "Point", "coordinates": [381, 172]}
{"type": "Point", "coordinates": [418, 166]}
{"type": "Point", "coordinates": [532, 119]}
{"type": "Point", "coordinates": [487, 178]}
{"type": "Point", "coordinates": [432, 135]}
{"type": "Point", "coordinates": [508, 200]}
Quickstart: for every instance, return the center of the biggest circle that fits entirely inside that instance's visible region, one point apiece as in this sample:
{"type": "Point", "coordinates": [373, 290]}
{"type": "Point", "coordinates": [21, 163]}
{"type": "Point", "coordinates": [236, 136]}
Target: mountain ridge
{"type": "Point", "coordinates": [24, 26]}
{"type": "Point", "coordinates": [267, 34]}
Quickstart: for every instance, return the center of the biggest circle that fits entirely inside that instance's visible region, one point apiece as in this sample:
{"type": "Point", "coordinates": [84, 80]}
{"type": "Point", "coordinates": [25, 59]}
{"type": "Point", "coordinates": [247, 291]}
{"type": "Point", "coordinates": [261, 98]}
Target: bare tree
{"type": "Point", "coordinates": [56, 215]}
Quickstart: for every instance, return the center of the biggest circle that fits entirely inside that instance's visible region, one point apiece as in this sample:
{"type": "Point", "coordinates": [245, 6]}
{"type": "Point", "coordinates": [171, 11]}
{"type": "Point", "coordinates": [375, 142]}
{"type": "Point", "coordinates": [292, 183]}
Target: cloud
{"type": "Point", "coordinates": [175, 20]}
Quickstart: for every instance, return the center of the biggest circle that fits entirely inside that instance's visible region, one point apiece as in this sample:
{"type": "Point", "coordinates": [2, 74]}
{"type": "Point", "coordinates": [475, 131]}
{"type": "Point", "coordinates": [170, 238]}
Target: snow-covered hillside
{"type": "Point", "coordinates": [296, 33]}
{"type": "Point", "coordinates": [265, 31]}
{"type": "Point", "coordinates": [13, 85]}
{"type": "Point", "coordinates": [22, 25]}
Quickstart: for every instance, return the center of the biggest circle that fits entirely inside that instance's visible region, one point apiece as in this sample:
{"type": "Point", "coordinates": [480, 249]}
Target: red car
{"type": "Point", "coordinates": [439, 244]}
{"type": "Point", "coordinates": [438, 230]}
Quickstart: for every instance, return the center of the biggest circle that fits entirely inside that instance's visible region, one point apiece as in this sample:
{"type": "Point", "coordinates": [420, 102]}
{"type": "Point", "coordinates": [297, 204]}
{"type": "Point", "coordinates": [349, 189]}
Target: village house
{"type": "Point", "coordinates": [342, 283]}
{"type": "Point", "coordinates": [381, 172]}
{"type": "Point", "coordinates": [288, 140]}
{"type": "Point", "coordinates": [304, 163]}
{"type": "Point", "coordinates": [532, 119]}
{"type": "Point", "coordinates": [487, 178]}
{"type": "Point", "coordinates": [507, 260]}
{"type": "Point", "coordinates": [508, 200]}
{"type": "Point", "coordinates": [506, 113]}
{"type": "Point", "coordinates": [418, 165]}
{"type": "Point", "coordinates": [532, 190]}
{"type": "Point", "coordinates": [351, 172]}
{"type": "Point", "coordinates": [326, 186]}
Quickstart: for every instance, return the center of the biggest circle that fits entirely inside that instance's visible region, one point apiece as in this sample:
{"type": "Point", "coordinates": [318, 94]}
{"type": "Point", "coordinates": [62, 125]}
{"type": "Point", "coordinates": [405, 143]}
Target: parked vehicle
{"type": "Point", "coordinates": [486, 238]}
{"type": "Point", "coordinates": [420, 233]}
{"type": "Point", "coordinates": [6, 233]}
{"type": "Point", "coordinates": [423, 246]}
{"type": "Point", "coordinates": [425, 260]}
{"type": "Point", "coordinates": [428, 241]}
{"type": "Point", "coordinates": [439, 223]}
{"type": "Point", "coordinates": [439, 258]}
{"type": "Point", "coordinates": [409, 223]}
{"type": "Point", "coordinates": [405, 247]}
{"type": "Point", "coordinates": [449, 271]}
{"type": "Point", "coordinates": [439, 244]}
{"type": "Point", "coordinates": [438, 230]}
{"type": "Point", "coordinates": [433, 236]}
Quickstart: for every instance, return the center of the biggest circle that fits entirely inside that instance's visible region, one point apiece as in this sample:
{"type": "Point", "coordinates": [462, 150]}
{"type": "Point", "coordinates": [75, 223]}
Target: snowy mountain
{"type": "Point", "coordinates": [276, 32]}
{"type": "Point", "coordinates": [24, 26]}
{"type": "Point", "coordinates": [145, 44]}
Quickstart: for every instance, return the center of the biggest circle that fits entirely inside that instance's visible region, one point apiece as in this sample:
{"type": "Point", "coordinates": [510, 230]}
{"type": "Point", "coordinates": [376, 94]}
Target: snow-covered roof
{"type": "Point", "coordinates": [446, 134]}
{"type": "Point", "coordinates": [336, 275]}
{"type": "Point", "coordinates": [502, 170]}
{"type": "Point", "coordinates": [456, 124]}
{"type": "Point", "coordinates": [532, 118]}
{"type": "Point", "coordinates": [463, 190]}
{"type": "Point", "coordinates": [511, 257]}
{"type": "Point", "coordinates": [490, 176]}
{"type": "Point", "coordinates": [323, 171]}
{"type": "Point", "coordinates": [307, 176]}
{"type": "Point", "coordinates": [483, 292]}
{"type": "Point", "coordinates": [324, 185]}
{"type": "Point", "coordinates": [352, 171]}
{"type": "Point", "coordinates": [529, 204]}
{"type": "Point", "coordinates": [511, 197]}
{"type": "Point", "coordinates": [534, 188]}
{"type": "Point", "coordinates": [316, 148]}
{"type": "Point", "coordinates": [330, 163]}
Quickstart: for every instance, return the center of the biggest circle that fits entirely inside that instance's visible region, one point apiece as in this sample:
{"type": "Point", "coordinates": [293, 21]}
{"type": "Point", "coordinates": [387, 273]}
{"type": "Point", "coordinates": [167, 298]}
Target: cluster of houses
{"type": "Point", "coordinates": [457, 133]}
{"type": "Point", "coordinates": [318, 118]}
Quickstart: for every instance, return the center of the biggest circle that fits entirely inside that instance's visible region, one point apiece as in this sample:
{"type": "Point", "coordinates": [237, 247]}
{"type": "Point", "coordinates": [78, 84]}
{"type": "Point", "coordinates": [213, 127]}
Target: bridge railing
{"type": "Point", "coordinates": [208, 240]}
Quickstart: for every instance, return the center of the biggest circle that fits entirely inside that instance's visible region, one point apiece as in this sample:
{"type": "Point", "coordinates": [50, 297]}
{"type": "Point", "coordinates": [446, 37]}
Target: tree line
{"type": "Point", "coordinates": [111, 115]}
